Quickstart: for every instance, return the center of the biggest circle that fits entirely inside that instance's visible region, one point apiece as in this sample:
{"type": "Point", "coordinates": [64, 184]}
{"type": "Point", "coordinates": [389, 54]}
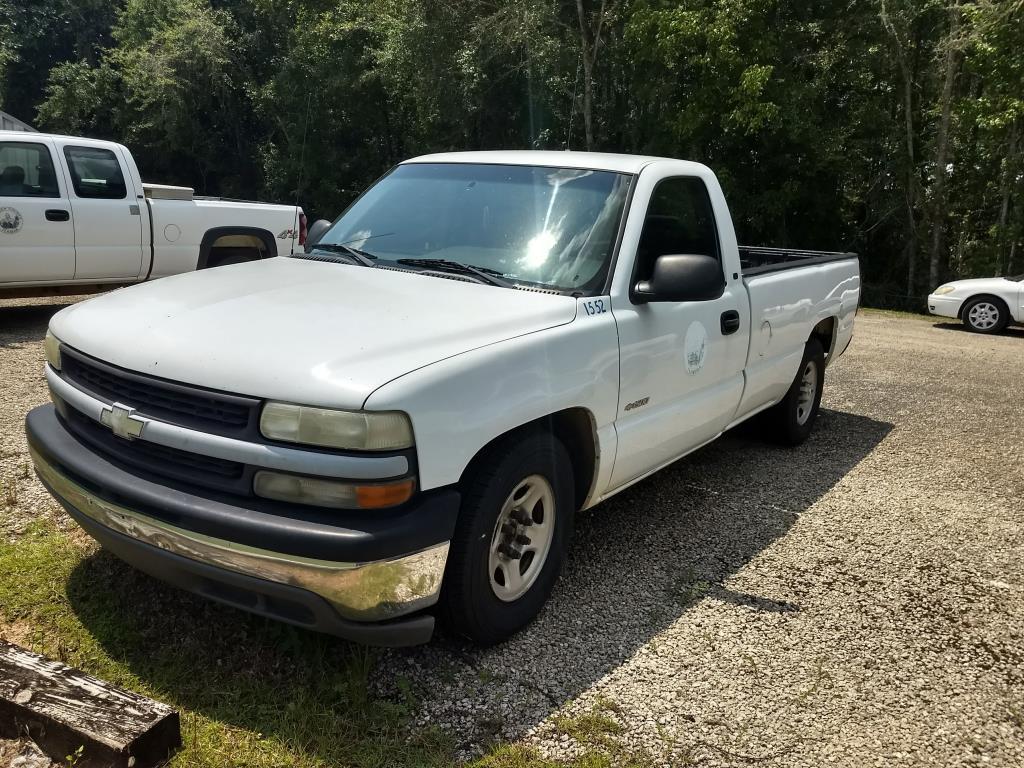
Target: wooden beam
{"type": "Point", "coordinates": [62, 710]}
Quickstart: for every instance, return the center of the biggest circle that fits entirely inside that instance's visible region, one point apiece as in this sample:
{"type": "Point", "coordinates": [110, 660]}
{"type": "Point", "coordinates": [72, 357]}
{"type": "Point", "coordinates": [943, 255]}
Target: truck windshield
{"type": "Point", "coordinates": [548, 227]}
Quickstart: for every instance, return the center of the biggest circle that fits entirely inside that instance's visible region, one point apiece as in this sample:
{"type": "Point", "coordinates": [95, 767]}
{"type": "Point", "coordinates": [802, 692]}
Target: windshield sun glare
{"type": "Point", "coordinates": [549, 227]}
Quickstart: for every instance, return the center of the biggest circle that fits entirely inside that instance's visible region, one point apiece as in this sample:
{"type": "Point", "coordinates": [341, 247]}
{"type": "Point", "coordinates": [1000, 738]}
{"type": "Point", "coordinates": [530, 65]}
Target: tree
{"type": "Point", "coordinates": [885, 126]}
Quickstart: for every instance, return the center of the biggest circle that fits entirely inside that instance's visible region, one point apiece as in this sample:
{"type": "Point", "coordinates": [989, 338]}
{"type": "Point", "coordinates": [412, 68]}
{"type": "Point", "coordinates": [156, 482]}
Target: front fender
{"type": "Point", "coordinates": [460, 404]}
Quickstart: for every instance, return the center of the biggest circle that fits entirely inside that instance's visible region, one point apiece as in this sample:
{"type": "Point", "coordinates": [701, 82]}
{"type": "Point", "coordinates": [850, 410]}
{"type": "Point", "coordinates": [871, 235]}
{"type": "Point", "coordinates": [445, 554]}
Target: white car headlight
{"type": "Point", "coordinates": [942, 290]}
{"type": "Point", "coordinates": [51, 345]}
{"type": "Point", "coordinates": [348, 430]}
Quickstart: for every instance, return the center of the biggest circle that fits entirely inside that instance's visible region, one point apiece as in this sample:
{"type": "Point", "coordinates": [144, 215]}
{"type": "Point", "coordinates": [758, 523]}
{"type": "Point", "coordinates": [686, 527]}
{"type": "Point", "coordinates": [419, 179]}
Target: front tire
{"type": "Point", "coordinates": [512, 536]}
{"type": "Point", "coordinates": [790, 421]}
{"type": "Point", "coordinates": [986, 314]}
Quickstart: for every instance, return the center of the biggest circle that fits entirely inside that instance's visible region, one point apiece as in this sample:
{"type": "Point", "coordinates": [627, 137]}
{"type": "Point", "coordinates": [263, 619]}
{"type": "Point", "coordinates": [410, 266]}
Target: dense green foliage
{"type": "Point", "coordinates": [893, 127]}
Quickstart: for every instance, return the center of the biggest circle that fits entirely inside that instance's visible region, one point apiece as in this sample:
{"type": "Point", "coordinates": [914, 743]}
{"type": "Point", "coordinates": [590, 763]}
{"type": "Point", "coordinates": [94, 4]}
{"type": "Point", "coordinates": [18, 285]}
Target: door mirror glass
{"type": "Point", "coordinates": [316, 231]}
{"type": "Point", "coordinates": [682, 277]}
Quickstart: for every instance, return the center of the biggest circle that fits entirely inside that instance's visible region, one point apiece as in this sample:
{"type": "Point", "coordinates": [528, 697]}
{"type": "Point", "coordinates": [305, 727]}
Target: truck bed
{"type": "Point", "coordinates": [758, 261]}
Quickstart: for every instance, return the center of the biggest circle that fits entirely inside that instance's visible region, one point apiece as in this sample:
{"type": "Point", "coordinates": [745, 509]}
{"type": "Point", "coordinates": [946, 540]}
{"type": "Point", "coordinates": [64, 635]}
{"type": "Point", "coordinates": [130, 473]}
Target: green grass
{"type": "Point", "coordinates": [251, 692]}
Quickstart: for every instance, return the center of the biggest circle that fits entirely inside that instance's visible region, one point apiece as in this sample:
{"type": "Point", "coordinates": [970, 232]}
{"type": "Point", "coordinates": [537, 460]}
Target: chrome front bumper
{"type": "Point", "coordinates": [363, 592]}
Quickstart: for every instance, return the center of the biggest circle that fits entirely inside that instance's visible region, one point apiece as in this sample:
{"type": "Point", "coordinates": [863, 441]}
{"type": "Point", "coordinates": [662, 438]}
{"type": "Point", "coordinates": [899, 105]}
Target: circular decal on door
{"type": "Point", "coordinates": [695, 347]}
{"type": "Point", "coordinates": [10, 221]}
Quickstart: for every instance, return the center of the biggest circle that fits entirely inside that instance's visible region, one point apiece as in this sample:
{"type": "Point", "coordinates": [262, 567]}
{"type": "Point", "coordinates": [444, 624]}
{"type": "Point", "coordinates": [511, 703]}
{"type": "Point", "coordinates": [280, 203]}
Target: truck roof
{"type": "Point", "coordinates": [595, 161]}
{"type": "Point", "coordinates": [35, 136]}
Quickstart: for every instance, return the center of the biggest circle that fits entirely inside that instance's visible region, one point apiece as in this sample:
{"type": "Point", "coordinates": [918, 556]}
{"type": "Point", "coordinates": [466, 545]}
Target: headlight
{"type": "Point", "coordinates": [51, 344]}
{"type": "Point", "coordinates": [351, 430]}
{"type": "Point", "coordinates": [323, 492]}
{"type": "Point", "coordinates": [942, 290]}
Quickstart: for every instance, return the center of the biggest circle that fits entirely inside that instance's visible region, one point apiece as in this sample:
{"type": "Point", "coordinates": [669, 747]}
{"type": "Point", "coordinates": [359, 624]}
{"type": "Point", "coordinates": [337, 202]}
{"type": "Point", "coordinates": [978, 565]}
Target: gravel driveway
{"type": "Point", "coordinates": [858, 601]}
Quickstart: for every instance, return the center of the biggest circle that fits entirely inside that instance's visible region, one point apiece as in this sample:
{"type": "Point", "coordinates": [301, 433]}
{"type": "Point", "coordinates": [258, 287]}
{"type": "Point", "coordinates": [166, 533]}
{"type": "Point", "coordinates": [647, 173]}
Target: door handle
{"type": "Point", "coordinates": [730, 322]}
{"type": "Point", "coordinates": [56, 214]}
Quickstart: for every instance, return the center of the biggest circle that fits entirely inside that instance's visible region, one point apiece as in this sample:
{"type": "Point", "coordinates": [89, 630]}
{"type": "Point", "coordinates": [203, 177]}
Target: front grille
{"type": "Point", "coordinates": [187, 406]}
{"type": "Point", "coordinates": [183, 466]}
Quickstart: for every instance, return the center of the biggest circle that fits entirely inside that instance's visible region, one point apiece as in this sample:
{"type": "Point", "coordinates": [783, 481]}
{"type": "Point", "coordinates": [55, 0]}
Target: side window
{"type": "Point", "coordinates": [95, 173]}
{"type": "Point", "coordinates": [26, 170]}
{"type": "Point", "coordinates": [679, 220]}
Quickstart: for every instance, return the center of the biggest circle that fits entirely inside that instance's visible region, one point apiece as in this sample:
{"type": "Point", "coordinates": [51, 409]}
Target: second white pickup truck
{"type": "Point", "coordinates": [404, 421]}
{"type": "Point", "coordinates": [75, 217]}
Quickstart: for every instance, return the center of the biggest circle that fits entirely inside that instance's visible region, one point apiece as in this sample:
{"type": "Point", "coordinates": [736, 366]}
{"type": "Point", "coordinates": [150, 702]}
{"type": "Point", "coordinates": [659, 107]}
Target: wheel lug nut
{"type": "Point", "coordinates": [522, 540]}
{"type": "Point", "coordinates": [510, 552]}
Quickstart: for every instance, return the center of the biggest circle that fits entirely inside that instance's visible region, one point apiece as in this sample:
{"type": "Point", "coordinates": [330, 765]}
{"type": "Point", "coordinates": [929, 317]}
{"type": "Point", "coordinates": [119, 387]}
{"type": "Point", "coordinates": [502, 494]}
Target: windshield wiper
{"type": "Point", "coordinates": [358, 256]}
{"type": "Point", "coordinates": [484, 274]}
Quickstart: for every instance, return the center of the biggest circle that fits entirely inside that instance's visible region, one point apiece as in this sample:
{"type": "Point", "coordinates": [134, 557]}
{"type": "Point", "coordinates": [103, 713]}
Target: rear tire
{"type": "Point", "coordinates": [220, 257]}
{"type": "Point", "coordinates": [790, 421]}
{"type": "Point", "coordinates": [986, 314]}
{"type": "Point", "coordinates": [518, 499]}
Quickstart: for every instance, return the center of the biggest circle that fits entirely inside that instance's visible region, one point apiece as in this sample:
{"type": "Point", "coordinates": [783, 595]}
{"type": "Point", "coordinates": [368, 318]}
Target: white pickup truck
{"type": "Point", "coordinates": [76, 217]}
{"type": "Point", "coordinates": [404, 421]}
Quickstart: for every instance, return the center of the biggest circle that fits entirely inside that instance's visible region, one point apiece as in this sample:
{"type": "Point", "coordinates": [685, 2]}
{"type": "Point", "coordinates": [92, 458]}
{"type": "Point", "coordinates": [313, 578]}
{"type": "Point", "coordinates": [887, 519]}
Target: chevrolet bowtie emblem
{"type": "Point", "coordinates": [122, 421]}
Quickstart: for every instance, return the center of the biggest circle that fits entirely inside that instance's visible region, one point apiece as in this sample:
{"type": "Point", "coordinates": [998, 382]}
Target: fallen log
{"type": "Point", "coordinates": [67, 712]}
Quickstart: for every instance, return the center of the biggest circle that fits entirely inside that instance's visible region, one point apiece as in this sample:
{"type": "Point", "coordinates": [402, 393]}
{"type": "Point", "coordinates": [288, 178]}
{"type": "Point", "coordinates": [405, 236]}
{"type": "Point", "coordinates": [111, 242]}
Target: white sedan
{"type": "Point", "coordinates": [986, 305]}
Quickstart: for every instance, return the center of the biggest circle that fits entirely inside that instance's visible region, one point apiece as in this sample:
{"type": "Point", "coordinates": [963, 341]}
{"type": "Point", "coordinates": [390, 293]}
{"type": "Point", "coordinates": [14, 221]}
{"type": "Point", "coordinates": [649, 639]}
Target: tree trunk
{"type": "Point", "coordinates": [908, 121]}
{"type": "Point", "coordinates": [943, 152]}
{"type": "Point", "coordinates": [590, 42]}
{"type": "Point", "coordinates": [588, 101]}
{"type": "Point", "coordinates": [911, 192]}
{"type": "Point", "coordinates": [1009, 170]}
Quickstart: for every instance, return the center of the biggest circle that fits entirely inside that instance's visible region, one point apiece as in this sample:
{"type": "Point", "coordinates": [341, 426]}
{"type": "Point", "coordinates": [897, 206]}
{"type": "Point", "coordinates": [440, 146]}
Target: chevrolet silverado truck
{"type": "Point", "coordinates": [76, 217]}
{"type": "Point", "coordinates": [402, 423]}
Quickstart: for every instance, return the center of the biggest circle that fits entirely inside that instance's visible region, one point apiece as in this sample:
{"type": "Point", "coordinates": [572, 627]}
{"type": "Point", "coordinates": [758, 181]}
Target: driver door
{"type": "Point", "coordinates": [681, 372]}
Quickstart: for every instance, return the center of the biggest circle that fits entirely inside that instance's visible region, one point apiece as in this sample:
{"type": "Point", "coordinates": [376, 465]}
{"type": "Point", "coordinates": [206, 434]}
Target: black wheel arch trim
{"type": "Point", "coordinates": [213, 235]}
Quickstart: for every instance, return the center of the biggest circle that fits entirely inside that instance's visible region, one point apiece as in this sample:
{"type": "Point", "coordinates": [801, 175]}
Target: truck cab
{"type": "Point", "coordinates": [403, 422]}
{"type": "Point", "coordinates": [75, 216]}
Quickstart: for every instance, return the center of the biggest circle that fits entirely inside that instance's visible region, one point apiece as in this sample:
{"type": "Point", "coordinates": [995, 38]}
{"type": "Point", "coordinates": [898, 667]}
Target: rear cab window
{"type": "Point", "coordinates": [26, 170]}
{"type": "Point", "coordinates": [95, 173]}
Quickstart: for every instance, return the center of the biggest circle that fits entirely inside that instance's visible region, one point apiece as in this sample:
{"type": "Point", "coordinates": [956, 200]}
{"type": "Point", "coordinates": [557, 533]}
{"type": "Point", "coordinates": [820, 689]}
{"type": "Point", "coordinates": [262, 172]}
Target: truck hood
{"type": "Point", "coordinates": [303, 331]}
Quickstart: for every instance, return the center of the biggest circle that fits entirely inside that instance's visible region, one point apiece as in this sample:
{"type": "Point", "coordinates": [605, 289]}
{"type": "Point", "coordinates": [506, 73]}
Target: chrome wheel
{"type": "Point", "coordinates": [984, 315]}
{"type": "Point", "coordinates": [808, 391]}
{"type": "Point", "coordinates": [522, 538]}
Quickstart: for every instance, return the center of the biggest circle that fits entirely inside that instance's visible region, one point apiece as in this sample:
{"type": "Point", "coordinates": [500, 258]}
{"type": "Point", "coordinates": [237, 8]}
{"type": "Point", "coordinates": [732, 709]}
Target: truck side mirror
{"type": "Point", "coordinates": [682, 277]}
{"type": "Point", "coordinates": [316, 231]}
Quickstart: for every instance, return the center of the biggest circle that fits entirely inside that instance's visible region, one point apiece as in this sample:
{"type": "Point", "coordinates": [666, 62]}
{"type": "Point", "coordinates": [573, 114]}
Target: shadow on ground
{"type": "Point", "coordinates": [22, 323]}
{"type": "Point", "coordinates": [1012, 330]}
{"type": "Point", "coordinates": [638, 562]}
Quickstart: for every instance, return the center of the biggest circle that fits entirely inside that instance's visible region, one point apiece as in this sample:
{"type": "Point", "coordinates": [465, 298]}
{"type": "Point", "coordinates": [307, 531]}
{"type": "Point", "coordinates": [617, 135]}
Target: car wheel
{"type": "Point", "coordinates": [986, 315]}
{"type": "Point", "coordinates": [220, 257]}
{"type": "Point", "coordinates": [511, 539]}
{"type": "Point", "coordinates": [790, 421]}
